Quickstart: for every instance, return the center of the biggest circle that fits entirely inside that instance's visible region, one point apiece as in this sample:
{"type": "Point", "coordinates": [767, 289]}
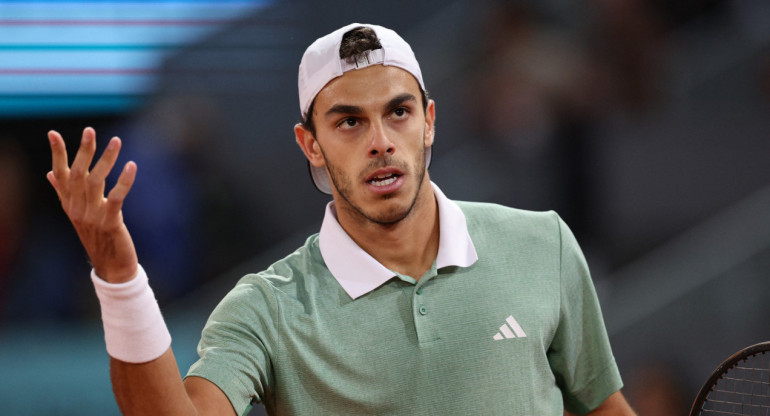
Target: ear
{"type": "Point", "coordinates": [309, 145]}
{"type": "Point", "coordinates": [430, 123]}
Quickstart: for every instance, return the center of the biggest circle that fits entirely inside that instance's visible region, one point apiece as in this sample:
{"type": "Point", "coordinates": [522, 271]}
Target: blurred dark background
{"type": "Point", "coordinates": [645, 124]}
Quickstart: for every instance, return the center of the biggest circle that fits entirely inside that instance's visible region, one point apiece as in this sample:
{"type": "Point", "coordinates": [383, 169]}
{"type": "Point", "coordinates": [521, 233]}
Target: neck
{"type": "Point", "coordinates": [408, 246]}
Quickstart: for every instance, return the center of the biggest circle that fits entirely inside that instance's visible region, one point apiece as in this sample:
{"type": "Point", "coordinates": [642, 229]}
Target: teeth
{"type": "Point", "coordinates": [384, 180]}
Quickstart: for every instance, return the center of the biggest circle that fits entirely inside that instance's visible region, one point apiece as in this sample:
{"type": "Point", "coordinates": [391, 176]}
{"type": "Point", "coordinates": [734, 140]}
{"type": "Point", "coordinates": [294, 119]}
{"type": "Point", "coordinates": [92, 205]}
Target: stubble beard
{"type": "Point", "coordinates": [392, 216]}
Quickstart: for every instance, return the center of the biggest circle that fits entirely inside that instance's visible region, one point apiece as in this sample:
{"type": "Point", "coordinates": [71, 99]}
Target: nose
{"type": "Point", "coordinates": [380, 144]}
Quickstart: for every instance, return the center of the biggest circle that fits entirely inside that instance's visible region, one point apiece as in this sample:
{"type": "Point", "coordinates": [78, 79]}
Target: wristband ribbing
{"type": "Point", "coordinates": [134, 329]}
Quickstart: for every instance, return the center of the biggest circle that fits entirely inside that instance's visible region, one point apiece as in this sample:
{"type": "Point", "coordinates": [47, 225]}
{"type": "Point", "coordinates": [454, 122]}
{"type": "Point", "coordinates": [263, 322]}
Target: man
{"type": "Point", "coordinates": [404, 303]}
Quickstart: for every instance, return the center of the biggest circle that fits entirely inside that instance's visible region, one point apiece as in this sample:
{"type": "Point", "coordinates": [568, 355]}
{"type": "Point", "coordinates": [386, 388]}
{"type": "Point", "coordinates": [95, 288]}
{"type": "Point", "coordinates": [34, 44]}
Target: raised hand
{"type": "Point", "coordinates": [97, 219]}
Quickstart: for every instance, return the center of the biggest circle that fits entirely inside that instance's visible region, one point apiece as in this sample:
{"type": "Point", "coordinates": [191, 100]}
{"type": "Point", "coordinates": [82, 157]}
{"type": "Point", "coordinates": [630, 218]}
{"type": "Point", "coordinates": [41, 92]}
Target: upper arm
{"type": "Point", "coordinates": [234, 350]}
{"type": "Point", "coordinates": [207, 397]}
{"type": "Point", "coordinates": [579, 354]}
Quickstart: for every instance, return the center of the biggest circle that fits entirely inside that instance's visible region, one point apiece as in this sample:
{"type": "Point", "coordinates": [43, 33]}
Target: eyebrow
{"type": "Point", "coordinates": [344, 109]}
{"type": "Point", "coordinates": [400, 99]}
{"type": "Point", "coordinates": [355, 110]}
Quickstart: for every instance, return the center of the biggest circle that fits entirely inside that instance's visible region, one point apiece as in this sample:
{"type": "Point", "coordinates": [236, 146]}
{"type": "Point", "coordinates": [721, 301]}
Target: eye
{"type": "Point", "coordinates": [348, 123]}
{"type": "Point", "coordinates": [401, 112]}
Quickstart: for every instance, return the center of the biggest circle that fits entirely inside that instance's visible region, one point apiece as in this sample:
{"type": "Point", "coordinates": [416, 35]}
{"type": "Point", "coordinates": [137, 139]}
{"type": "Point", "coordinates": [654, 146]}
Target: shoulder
{"type": "Point", "coordinates": [483, 217]}
{"type": "Point", "coordinates": [284, 278]}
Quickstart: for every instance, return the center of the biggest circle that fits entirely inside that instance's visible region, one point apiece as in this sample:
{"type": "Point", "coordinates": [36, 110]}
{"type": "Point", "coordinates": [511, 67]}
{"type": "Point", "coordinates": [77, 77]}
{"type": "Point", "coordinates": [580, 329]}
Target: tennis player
{"type": "Point", "coordinates": [404, 303]}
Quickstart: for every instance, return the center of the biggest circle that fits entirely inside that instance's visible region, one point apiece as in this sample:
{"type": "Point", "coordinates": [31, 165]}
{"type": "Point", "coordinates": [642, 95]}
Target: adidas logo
{"type": "Point", "coordinates": [510, 329]}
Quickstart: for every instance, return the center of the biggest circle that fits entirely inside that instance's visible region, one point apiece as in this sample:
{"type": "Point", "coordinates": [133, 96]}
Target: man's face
{"type": "Point", "coordinates": [372, 133]}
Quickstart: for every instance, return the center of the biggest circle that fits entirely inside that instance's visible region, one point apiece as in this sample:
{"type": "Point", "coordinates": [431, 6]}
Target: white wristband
{"type": "Point", "coordinates": [134, 330]}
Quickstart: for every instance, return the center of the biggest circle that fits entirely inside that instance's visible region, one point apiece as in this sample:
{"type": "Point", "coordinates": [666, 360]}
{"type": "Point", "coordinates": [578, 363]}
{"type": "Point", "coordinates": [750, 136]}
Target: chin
{"type": "Point", "coordinates": [389, 218]}
{"type": "Point", "coordinates": [391, 210]}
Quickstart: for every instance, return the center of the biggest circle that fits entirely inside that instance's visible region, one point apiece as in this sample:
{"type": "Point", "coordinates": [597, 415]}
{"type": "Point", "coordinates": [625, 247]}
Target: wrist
{"type": "Point", "coordinates": [117, 275]}
{"type": "Point", "coordinates": [134, 329]}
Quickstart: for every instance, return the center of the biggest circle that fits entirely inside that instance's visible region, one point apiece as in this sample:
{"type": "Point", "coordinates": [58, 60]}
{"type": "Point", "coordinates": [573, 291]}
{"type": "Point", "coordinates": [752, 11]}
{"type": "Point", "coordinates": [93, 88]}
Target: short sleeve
{"type": "Point", "coordinates": [234, 350]}
{"type": "Point", "coordinates": [580, 355]}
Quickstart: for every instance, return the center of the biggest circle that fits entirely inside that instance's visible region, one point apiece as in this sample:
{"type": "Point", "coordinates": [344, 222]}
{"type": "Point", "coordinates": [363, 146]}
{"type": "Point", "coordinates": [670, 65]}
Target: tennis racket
{"type": "Point", "coordinates": [739, 386]}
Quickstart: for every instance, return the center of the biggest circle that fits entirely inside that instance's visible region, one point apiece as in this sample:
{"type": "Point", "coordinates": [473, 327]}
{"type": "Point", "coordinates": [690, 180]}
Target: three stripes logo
{"type": "Point", "coordinates": [509, 330]}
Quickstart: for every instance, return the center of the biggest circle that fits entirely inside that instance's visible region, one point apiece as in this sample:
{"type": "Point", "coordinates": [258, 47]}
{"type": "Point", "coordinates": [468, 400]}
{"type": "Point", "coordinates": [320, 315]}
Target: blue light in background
{"type": "Point", "coordinates": [89, 57]}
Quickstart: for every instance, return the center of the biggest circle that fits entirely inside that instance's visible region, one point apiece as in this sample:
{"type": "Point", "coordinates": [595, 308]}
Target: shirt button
{"type": "Point", "coordinates": [419, 290]}
{"type": "Point", "coordinates": [423, 310]}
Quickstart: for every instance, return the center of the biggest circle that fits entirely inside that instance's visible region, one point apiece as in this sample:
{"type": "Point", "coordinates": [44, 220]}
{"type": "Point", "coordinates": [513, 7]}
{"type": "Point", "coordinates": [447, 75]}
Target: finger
{"type": "Point", "coordinates": [101, 169]}
{"type": "Point", "coordinates": [79, 173]}
{"type": "Point", "coordinates": [60, 168]}
{"type": "Point", "coordinates": [52, 180]}
{"type": "Point", "coordinates": [118, 194]}
{"type": "Point", "coordinates": [85, 153]}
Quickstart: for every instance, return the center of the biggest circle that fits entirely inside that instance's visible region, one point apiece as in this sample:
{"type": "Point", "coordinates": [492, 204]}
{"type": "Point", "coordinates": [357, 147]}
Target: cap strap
{"type": "Point", "coordinates": [364, 59]}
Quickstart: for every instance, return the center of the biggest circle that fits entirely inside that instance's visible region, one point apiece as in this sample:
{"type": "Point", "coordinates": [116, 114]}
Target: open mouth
{"type": "Point", "coordinates": [384, 179]}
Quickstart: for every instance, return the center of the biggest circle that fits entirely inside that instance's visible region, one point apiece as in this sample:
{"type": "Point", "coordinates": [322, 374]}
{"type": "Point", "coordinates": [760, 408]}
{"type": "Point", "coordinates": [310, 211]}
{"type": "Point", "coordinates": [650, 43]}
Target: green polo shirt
{"type": "Point", "coordinates": [517, 331]}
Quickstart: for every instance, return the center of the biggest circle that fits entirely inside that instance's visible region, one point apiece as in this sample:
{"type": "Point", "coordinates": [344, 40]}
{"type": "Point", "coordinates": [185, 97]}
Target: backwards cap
{"type": "Point", "coordinates": [321, 63]}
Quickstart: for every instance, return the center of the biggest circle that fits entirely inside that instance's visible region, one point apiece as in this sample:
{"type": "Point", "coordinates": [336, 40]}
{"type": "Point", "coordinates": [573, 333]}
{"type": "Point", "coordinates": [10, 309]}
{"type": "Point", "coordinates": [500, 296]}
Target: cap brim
{"type": "Point", "coordinates": [320, 179]}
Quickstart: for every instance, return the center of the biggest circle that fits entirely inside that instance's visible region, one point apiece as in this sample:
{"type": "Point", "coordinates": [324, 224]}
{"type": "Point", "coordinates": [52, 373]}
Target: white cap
{"type": "Point", "coordinates": [321, 63]}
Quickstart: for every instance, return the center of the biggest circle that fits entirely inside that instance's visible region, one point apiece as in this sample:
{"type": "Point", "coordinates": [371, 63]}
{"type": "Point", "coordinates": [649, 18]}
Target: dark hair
{"type": "Point", "coordinates": [355, 42]}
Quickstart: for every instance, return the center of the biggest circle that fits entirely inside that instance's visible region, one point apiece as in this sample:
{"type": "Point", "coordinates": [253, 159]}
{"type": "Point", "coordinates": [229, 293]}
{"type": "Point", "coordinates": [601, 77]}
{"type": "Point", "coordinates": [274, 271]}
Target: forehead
{"type": "Point", "coordinates": [367, 86]}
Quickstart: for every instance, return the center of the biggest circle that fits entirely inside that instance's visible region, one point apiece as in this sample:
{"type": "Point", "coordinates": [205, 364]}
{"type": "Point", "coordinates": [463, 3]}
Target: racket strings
{"type": "Point", "coordinates": [743, 389]}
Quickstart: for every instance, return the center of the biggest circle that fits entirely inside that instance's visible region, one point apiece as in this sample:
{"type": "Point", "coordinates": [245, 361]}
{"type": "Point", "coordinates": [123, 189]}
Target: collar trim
{"type": "Point", "coordinates": [359, 273]}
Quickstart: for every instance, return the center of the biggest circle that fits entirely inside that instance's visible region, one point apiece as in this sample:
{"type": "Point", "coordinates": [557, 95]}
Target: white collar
{"type": "Point", "coordinates": [359, 273]}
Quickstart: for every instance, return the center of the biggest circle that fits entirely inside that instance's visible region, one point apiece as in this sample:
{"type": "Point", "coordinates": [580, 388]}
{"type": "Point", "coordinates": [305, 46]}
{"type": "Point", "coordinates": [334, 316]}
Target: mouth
{"type": "Point", "coordinates": [384, 178]}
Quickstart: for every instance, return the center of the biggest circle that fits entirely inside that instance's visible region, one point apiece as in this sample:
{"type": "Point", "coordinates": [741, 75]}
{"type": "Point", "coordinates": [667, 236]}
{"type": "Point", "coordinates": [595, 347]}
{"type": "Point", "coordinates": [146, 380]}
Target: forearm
{"type": "Point", "coordinates": [144, 371]}
{"type": "Point", "coordinates": [154, 387]}
{"type": "Point", "coordinates": [145, 374]}
{"type": "Point", "coordinates": [615, 405]}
